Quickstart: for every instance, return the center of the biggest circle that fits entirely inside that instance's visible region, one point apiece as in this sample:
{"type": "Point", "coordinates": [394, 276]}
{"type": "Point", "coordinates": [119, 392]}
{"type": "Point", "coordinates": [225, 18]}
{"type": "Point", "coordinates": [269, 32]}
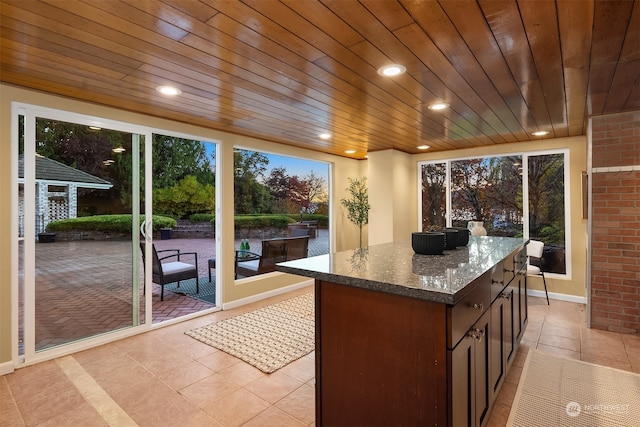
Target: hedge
{"type": "Point", "coordinates": [110, 223]}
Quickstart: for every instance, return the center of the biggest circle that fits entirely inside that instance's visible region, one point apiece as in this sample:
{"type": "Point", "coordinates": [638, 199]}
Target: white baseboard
{"type": "Point", "coordinates": [264, 295]}
{"type": "Point", "coordinates": [557, 296]}
{"type": "Point", "coordinates": [6, 368]}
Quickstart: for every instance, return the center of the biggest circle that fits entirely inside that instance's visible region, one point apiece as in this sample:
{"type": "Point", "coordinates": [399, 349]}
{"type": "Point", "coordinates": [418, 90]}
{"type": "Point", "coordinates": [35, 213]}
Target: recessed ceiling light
{"type": "Point", "coordinates": [169, 90]}
{"type": "Point", "coordinates": [438, 106]}
{"type": "Point", "coordinates": [119, 149]}
{"type": "Point", "coordinates": [392, 70]}
{"type": "Point", "coordinates": [95, 128]}
{"type": "Point", "coordinates": [423, 147]}
{"type": "Point", "coordinates": [350, 151]}
{"type": "Point", "coordinates": [540, 133]}
{"type": "Point", "coordinates": [324, 136]}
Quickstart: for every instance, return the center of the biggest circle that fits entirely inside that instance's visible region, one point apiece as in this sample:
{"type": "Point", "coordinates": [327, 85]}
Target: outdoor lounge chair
{"type": "Point", "coordinates": [273, 251]}
{"type": "Point", "coordinates": [172, 271]}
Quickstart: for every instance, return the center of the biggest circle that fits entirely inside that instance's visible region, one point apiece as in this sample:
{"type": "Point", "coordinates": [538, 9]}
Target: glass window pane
{"type": "Point", "coordinates": [547, 208]}
{"type": "Point", "coordinates": [434, 194]}
{"type": "Point", "coordinates": [278, 197]}
{"type": "Point", "coordinates": [488, 190]}
{"type": "Point", "coordinates": [184, 201]}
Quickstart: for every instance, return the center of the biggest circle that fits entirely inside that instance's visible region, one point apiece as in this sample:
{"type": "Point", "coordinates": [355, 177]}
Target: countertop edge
{"type": "Point", "coordinates": [375, 286]}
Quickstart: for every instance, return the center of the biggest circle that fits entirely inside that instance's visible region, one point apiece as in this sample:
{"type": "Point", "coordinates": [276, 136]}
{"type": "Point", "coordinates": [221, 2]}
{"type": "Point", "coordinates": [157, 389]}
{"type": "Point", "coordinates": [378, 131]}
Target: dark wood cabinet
{"type": "Point", "coordinates": [470, 383]}
{"type": "Point", "coordinates": [390, 360]}
{"type": "Point", "coordinates": [502, 338]}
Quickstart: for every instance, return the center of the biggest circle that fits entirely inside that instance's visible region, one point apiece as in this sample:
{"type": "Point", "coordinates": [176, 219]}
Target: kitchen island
{"type": "Point", "coordinates": [406, 339]}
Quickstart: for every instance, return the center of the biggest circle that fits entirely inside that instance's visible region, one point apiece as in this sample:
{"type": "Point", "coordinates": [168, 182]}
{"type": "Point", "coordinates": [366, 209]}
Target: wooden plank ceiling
{"type": "Point", "coordinates": [289, 70]}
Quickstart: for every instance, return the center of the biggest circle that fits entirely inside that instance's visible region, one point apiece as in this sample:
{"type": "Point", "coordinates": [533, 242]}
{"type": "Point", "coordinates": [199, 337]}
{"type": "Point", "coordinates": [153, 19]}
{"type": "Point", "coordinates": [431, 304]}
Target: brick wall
{"type": "Point", "coordinates": [615, 223]}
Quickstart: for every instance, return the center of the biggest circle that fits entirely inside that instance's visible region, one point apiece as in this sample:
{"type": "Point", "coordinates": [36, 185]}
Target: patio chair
{"type": "Point", "coordinates": [299, 232]}
{"type": "Point", "coordinates": [535, 249]}
{"type": "Point", "coordinates": [172, 271]}
{"type": "Point", "coordinates": [273, 251]}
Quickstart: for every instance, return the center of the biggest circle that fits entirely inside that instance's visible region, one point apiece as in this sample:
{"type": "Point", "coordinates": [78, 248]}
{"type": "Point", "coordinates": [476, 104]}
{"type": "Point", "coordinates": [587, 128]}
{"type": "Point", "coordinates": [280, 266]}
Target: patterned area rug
{"type": "Point", "coordinates": [188, 287]}
{"type": "Point", "coordinates": [555, 391]}
{"type": "Point", "coordinates": [267, 338]}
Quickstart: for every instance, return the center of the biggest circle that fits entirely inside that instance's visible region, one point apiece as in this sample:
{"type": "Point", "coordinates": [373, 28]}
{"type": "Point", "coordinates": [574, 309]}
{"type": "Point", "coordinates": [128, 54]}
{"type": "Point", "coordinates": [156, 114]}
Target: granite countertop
{"type": "Point", "coordinates": [395, 268]}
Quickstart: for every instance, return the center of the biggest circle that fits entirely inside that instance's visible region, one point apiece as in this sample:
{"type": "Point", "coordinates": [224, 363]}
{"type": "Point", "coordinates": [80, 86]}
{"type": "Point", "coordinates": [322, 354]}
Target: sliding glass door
{"type": "Point", "coordinates": [80, 197]}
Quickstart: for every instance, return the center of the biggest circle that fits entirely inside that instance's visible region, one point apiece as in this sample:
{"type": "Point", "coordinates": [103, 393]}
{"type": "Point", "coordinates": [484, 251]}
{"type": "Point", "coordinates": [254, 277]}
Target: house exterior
{"type": "Point", "coordinates": [56, 191]}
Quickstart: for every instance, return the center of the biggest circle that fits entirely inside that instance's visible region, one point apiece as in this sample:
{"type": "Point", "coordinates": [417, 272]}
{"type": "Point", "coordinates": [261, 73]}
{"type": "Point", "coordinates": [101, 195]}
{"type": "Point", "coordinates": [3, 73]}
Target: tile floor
{"type": "Point", "coordinates": [165, 378]}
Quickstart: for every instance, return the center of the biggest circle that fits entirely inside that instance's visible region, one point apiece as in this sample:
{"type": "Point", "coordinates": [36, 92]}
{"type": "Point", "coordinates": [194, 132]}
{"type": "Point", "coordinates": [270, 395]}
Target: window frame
{"type": "Point", "coordinates": [525, 194]}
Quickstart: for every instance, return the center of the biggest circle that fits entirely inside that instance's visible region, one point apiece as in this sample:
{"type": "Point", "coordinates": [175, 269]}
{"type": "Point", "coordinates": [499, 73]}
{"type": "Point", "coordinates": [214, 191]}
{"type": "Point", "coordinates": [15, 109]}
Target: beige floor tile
{"type": "Point", "coordinates": [514, 375]}
{"type": "Point", "coordinates": [559, 351]}
{"type": "Point", "coordinates": [532, 333]}
{"type": "Point", "coordinates": [185, 374]}
{"type": "Point", "coordinates": [572, 344]}
{"type": "Point", "coordinates": [209, 390]}
{"type": "Point", "coordinates": [236, 408]}
{"type": "Point", "coordinates": [273, 387]}
{"type": "Point", "coordinates": [521, 355]}
{"type": "Point", "coordinates": [219, 361]}
{"type": "Point", "coordinates": [153, 403]}
{"type": "Point", "coordinates": [562, 330]}
{"type": "Point", "coordinates": [81, 415]}
{"type": "Point", "coordinates": [499, 415]}
{"type": "Point", "coordinates": [607, 361]}
{"type": "Point", "coordinates": [273, 417]}
{"type": "Point", "coordinates": [507, 393]}
{"type": "Point", "coordinates": [191, 347]}
{"type": "Point", "coordinates": [10, 414]}
{"type": "Point", "coordinates": [200, 419]}
{"type": "Point", "coordinates": [242, 373]}
{"type": "Point", "coordinates": [300, 404]}
{"type": "Point", "coordinates": [117, 373]}
{"type": "Point", "coordinates": [302, 369]}
{"type": "Point", "coordinates": [603, 343]}
{"type": "Point", "coordinates": [631, 343]}
{"type": "Point", "coordinates": [56, 405]}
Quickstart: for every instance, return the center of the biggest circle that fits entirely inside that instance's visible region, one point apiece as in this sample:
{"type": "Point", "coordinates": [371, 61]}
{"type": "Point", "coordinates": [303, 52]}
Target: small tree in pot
{"type": "Point", "coordinates": [357, 205]}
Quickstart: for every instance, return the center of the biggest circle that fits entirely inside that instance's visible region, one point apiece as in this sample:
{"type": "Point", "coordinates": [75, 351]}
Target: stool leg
{"type": "Point", "coordinates": [545, 286]}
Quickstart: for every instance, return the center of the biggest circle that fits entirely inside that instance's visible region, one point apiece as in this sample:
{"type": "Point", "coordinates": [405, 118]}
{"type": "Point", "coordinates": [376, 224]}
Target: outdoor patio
{"type": "Point", "coordinates": [83, 288]}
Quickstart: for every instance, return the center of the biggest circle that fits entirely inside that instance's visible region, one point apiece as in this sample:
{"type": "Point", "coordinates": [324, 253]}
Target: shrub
{"type": "Point", "coordinates": [259, 221]}
{"type": "Point", "coordinates": [323, 220]}
{"type": "Point", "coordinates": [202, 217]}
{"type": "Point", "coordinates": [108, 223]}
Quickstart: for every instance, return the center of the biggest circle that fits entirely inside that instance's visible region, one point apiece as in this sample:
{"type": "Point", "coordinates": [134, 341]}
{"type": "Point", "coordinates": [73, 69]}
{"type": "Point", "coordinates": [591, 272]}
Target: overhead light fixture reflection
{"type": "Point", "coordinates": [95, 128]}
{"type": "Point", "coordinates": [540, 133]}
{"type": "Point", "coordinates": [119, 149]}
{"type": "Point", "coordinates": [108, 162]}
{"type": "Point", "coordinates": [350, 151]}
{"type": "Point", "coordinates": [438, 106]}
{"type": "Point", "coordinates": [324, 136]}
{"type": "Point", "coordinates": [423, 147]}
{"type": "Point", "coordinates": [391, 70]}
{"type": "Point", "coordinates": [169, 90]}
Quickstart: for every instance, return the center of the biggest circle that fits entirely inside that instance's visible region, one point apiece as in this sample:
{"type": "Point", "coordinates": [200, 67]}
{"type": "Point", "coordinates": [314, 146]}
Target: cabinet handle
{"type": "Point", "coordinates": [481, 333]}
{"type": "Point", "coordinates": [506, 270]}
{"type": "Point", "coordinates": [477, 334]}
{"type": "Point", "coordinates": [505, 295]}
{"type": "Point", "coordinates": [478, 306]}
{"type": "Point", "coordinates": [497, 282]}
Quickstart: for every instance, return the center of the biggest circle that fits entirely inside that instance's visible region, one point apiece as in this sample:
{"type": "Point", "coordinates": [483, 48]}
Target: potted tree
{"type": "Point", "coordinates": [357, 205]}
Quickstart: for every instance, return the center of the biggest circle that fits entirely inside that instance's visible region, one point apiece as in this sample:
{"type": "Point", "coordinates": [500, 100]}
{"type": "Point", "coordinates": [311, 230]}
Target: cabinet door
{"type": "Point", "coordinates": [502, 339]}
{"type": "Point", "coordinates": [519, 287]}
{"type": "Point", "coordinates": [470, 382]}
{"type": "Point", "coordinates": [482, 358]}
{"type": "Point", "coordinates": [463, 382]}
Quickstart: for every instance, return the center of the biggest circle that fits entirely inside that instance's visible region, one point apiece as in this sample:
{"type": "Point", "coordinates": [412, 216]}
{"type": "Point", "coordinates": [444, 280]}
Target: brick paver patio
{"type": "Point", "coordinates": [83, 288]}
